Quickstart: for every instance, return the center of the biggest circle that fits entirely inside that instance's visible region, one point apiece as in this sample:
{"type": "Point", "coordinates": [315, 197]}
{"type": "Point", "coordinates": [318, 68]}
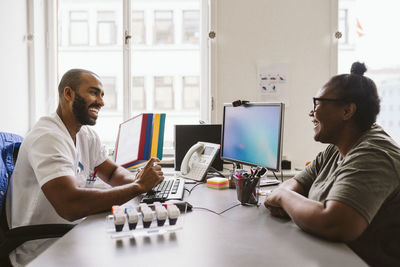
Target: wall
{"type": "Point", "coordinates": [296, 32]}
{"type": "Point", "coordinates": [13, 67]}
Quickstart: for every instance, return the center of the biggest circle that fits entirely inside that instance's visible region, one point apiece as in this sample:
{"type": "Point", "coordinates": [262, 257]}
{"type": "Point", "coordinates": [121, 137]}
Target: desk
{"type": "Point", "coordinates": [242, 236]}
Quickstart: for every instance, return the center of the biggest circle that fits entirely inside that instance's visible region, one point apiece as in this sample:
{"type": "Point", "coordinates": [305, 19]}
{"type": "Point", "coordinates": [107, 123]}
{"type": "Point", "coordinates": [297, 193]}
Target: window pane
{"type": "Point", "coordinates": [138, 94]}
{"type": "Point", "coordinates": [163, 93]}
{"type": "Point", "coordinates": [79, 28]}
{"type": "Point", "coordinates": [106, 28]}
{"type": "Point", "coordinates": [138, 27]}
{"type": "Point", "coordinates": [191, 26]}
{"type": "Point", "coordinates": [163, 27]}
{"type": "Point", "coordinates": [191, 92]}
{"type": "Point", "coordinates": [375, 42]}
{"type": "Point", "coordinates": [94, 23]}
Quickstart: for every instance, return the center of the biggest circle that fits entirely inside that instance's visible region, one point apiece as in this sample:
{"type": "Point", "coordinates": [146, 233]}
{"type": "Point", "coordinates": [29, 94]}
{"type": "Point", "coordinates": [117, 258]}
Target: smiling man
{"type": "Point", "coordinates": [57, 157]}
{"type": "Point", "coordinates": [351, 191]}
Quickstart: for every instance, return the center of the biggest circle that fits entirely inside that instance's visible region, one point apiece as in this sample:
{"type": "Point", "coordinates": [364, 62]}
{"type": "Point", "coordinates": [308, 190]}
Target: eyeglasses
{"type": "Point", "coordinates": [316, 100]}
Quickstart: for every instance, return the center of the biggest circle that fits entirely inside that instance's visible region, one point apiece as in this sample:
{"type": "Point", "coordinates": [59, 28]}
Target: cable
{"type": "Point", "coordinates": [229, 208]}
{"type": "Point", "coordinates": [191, 189]}
{"type": "Point", "coordinates": [218, 213]}
{"type": "Point", "coordinates": [276, 177]}
{"type": "Point", "coordinates": [213, 170]}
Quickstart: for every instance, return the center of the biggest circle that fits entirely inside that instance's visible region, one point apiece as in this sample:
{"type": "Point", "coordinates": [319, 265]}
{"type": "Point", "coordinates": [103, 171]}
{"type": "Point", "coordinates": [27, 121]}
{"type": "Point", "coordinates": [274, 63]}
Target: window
{"type": "Point", "coordinates": [138, 78]}
{"type": "Point", "coordinates": [106, 28]}
{"type": "Point", "coordinates": [163, 93]}
{"type": "Point", "coordinates": [375, 43]}
{"type": "Point", "coordinates": [138, 27]}
{"type": "Point", "coordinates": [110, 94]}
{"type": "Point", "coordinates": [191, 92]}
{"type": "Point", "coordinates": [79, 28]}
{"type": "Point", "coordinates": [138, 94]}
{"type": "Point", "coordinates": [191, 26]}
{"type": "Point", "coordinates": [163, 27]}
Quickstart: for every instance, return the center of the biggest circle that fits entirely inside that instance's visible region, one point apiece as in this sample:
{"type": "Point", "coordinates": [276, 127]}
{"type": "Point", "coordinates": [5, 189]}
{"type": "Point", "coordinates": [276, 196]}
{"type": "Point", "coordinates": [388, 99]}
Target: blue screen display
{"type": "Point", "coordinates": [252, 134]}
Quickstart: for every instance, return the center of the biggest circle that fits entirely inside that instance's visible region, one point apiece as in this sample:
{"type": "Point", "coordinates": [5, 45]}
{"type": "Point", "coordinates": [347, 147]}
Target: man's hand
{"type": "Point", "coordinates": [138, 174]}
{"type": "Point", "coordinates": [150, 176]}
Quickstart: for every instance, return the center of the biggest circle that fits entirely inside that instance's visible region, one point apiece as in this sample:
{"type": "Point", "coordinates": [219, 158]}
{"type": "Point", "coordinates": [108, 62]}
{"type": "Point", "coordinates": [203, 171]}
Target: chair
{"type": "Point", "coordinates": [12, 238]}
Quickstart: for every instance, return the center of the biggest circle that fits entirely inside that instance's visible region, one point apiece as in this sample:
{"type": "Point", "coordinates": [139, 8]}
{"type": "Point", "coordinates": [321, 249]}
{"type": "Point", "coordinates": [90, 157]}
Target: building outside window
{"type": "Point", "coordinates": [163, 92]}
{"type": "Point", "coordinates": [78, 28]}
{"type": "Point", "coordinates": [373, 40]}
{"type": "Point", "coordinates": [138, 27]}
{"type": "Point", "coordinates": [153, 74]}
{"type": "Point", "coordinates": [138, 93]}
{"type": "Point", "coordinates": [190, 92]}
{"type": "Point", "coordinates": [191, 26]}
{"type": "Point", "coordinates": [106, 28]}
{"type": "Point", "coordinates": [163, 27]}
{"type": "Point", "coordinates": [110, 93]}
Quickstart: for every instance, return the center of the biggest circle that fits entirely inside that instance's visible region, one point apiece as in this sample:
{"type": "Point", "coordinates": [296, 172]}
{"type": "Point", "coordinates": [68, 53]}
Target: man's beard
{"type": "Point", "coordinates": [81, 111]}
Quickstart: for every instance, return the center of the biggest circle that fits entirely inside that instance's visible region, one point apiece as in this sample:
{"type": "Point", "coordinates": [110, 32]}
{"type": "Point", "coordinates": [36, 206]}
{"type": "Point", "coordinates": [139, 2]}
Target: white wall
{"type": "Point", "coordinates": [296, 32]}
{"type": "Point", "coordinates": [13, 67]}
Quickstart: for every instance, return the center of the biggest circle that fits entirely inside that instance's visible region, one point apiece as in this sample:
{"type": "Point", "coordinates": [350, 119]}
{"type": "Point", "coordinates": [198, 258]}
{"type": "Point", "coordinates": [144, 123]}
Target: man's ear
{"type": "Point", "coordinates": [68, 94]}
{"type": "Point", "coordinates": [349, 111]}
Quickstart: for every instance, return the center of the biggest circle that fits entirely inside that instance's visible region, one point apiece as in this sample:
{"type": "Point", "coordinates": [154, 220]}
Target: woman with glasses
{"type": "Point", "coordinates": [351, 191]}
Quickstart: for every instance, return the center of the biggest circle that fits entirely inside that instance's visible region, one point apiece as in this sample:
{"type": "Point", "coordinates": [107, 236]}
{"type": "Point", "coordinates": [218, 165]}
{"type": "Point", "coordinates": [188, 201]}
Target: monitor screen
{"type": "Point", "coordinates": [252, 134]}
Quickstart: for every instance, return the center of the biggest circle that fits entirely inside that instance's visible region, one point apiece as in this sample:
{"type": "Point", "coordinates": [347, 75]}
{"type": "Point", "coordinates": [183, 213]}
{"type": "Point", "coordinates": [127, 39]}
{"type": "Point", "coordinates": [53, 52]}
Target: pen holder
{"type": "Point", "coordinates": [247, 189]}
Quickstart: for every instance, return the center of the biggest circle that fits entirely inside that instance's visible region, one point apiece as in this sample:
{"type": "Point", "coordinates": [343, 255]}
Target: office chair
{"type": "Point", "coordinates": [12, 238]}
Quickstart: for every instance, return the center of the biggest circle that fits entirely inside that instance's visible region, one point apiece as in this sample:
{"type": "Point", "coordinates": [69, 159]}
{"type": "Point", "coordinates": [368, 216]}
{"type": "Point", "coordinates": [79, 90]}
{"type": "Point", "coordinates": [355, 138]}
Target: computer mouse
{"type": "Point", "coordinates": [182, 205]}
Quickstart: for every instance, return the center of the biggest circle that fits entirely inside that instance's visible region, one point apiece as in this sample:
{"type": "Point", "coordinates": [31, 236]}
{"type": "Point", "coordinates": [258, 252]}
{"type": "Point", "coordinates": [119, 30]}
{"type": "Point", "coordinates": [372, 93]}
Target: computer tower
{"type": "Point", "coordinates": [188, 135]}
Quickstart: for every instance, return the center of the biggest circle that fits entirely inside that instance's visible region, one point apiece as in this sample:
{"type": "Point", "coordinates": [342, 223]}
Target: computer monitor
{"type": "Point", "coordinates": [252, 134]}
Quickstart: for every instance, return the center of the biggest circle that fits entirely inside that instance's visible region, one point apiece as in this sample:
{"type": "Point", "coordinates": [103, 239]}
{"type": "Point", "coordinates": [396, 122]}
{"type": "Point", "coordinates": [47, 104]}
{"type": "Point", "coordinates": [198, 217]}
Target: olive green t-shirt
{"type": "Point", "coordinates": [368, 180]}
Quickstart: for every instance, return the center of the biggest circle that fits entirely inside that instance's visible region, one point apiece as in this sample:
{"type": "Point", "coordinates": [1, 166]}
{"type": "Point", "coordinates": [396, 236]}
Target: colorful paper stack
{"type": "Point", "coordinates": [139, 139]}
{"type": "Point", "coordinates": [217, 183]}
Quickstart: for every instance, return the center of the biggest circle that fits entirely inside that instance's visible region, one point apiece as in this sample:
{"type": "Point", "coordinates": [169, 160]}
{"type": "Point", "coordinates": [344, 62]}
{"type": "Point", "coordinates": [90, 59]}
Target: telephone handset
{"type": "Point", "coordinates": [198, 159]}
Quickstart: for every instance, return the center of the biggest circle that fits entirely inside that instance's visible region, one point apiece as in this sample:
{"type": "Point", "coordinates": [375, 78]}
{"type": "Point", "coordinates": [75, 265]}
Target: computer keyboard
{"type": "Point", "coordinates": [267, 181]}
{"type": "Point", "coordinates": [172, 188]}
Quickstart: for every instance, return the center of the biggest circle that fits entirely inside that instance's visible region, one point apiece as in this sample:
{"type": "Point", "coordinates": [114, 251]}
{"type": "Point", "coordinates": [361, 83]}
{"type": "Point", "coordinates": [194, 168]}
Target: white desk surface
{"type": "Point", "coordinates": [242, 236]}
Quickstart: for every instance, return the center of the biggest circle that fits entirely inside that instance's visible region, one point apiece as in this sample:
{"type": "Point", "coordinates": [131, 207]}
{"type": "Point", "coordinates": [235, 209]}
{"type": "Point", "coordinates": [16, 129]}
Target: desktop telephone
{"type": "Point", "coordinates": [198, 159]}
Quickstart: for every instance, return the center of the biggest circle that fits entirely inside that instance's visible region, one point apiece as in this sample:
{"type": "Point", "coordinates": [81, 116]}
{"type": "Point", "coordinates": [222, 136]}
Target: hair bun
{"type": "Point", "coordinates": [358, 68]}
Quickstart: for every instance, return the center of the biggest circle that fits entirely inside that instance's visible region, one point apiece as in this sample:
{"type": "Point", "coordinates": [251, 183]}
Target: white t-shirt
{"type": "Point", "coordinates": [47, 152]}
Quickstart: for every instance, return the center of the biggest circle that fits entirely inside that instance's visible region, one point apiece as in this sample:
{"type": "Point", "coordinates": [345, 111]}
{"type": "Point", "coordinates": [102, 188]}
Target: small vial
{"type": "Point", "coordinates": [133, 217]}
{"type": "Point", "coordinates": [119, 221]}
{"type": "Point", "coordinates": [147, 217]}
{"type": "Point", "coordinates": [173, 214]}
{"type": "Point", "coordinates": [162, 215]}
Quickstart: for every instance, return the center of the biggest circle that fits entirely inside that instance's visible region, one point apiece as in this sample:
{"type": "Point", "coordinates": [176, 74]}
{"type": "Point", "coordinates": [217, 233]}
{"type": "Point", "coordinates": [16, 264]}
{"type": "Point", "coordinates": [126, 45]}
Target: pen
{"type": "Point", "coordinates": [94, 174]}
